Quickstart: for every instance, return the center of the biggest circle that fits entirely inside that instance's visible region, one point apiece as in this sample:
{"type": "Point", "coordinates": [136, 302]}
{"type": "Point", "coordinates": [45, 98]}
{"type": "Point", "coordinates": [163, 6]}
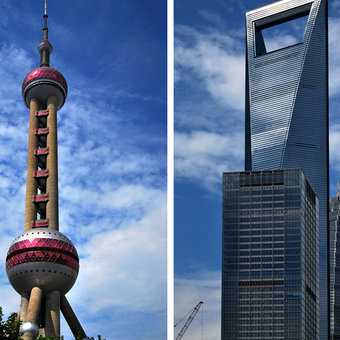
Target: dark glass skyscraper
{"type": "Point", "coordinates": [287, 104]}
{"type": "Point", "coordinates": [334, 253]}
{"type": "Point", "coordinates": [270, 262]}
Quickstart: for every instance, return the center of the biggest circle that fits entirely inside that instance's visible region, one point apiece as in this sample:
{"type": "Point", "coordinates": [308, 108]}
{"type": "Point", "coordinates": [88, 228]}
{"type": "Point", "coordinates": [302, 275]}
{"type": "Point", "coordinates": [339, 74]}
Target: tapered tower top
{"type": "Point", "coordinates": [45, 47]}
{"type": "Point", "coordinates": [44, 81]}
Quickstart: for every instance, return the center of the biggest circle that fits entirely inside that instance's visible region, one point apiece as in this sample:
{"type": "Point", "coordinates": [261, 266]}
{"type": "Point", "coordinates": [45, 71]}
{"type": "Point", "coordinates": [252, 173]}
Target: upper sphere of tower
{"type": "Point", "coordinates": [45, 45]}
{"type": "Point", "coordinates": [43, 82]}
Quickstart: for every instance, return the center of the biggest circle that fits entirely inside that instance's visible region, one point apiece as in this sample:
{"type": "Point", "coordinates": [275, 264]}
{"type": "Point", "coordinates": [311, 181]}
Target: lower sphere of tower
{"type": "Point", "coordinates": [42, 257]}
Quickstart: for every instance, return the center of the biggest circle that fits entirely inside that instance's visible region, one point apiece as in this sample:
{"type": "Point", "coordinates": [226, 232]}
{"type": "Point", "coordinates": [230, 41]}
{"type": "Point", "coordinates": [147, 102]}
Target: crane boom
{"type": "Point", "coordinates": [191, 317]}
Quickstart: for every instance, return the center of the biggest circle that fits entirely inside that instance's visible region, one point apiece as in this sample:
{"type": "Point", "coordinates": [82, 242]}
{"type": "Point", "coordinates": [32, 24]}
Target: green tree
{"type": "Point", "coordinates": [9, 329]}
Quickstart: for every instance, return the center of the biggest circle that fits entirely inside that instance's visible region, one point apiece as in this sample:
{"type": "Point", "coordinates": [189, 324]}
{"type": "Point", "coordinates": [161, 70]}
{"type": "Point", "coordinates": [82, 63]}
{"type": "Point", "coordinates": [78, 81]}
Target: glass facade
{"type": "Point", "coordinates": [270, 262]}
{"type": "Point", "coordinates": [287, 107]}
{"type": "Point", "coordinates": [334, 254]}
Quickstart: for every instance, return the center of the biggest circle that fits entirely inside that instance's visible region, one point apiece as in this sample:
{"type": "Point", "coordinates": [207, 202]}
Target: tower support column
{"type": "Point", "coordinates": [23, 307]}
{"type": "Point", "coordinates": [31, 184]}
{"type": "Point", "coordinates": [52, 164]}
{"type": "Point", "coordinates": [71, 318]}
{"type": "Point", "coordinates": [30, 327]}
{"type": "Point", "coordinates": [53, 314]}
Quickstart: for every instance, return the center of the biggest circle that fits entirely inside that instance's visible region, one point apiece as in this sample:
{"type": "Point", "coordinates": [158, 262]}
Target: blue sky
{"type": "Point", "coordinates": [112, 154]}
{"type": "Point", "coordinates": [209, 139]}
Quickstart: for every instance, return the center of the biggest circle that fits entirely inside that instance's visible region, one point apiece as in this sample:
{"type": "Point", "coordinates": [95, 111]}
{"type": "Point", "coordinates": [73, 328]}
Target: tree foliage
{"type": "Point", "coordinates": [9, 329]}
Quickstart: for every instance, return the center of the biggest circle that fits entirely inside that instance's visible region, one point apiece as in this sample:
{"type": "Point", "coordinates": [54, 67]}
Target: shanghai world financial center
{"type": "Point", "coordinates": [275, 214]}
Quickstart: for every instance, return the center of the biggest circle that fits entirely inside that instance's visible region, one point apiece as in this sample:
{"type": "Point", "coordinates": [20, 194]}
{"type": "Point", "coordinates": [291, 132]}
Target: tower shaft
{"type": "Point", "coordinates": [42, 167]}
{"type": "Point", "coordinates": [52, 213]}
{"type": "Point", "coordinates": [42, 196]}
{"type": "Point", "coordinates": [31, 183]}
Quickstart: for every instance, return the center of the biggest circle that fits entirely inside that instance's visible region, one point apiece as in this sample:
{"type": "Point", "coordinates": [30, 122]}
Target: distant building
{"type": "Point", "coordinates": [334, 253]}
{"type": "Point", "coordinates": [287, 104]}
{"type": "Point", "coordinates": [270, 256]}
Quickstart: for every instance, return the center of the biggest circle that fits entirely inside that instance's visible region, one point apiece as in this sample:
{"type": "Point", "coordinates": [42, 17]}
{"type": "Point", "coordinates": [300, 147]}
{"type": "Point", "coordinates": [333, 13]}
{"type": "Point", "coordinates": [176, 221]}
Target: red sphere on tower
{"type": "Point", "coordinates": [42, 257]}
{"type": "Point", "coordinates": [43, 82]}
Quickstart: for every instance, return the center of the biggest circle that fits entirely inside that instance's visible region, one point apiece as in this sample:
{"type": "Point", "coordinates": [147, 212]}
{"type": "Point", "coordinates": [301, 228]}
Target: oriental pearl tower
{"type": "Point", "coordinates": [42, 264]}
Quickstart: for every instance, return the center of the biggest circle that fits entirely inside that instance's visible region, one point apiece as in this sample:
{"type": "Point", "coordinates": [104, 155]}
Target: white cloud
{"type": "Point", "coordinates": [203, 156]}
{"type": "Point", "coordinates": [334, 56]}
{"type": "Point", "coordinates": [217, 60]}
{"type": "Point", "coordinates": [123, 269]}
{"type": "Point", "coordinates": [125, 266]}
{"type": "Point", "coordinates": [189, 290]}
{"type": "Point", "coordinates": [212, 18]}
{"type": "Point", "coordinates": [334, 146]}
{"type": "Point", "coordinates": [212, 66]}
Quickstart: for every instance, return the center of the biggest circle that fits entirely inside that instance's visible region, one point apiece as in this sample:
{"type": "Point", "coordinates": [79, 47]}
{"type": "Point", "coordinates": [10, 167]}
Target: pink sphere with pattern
{"type": "Point", "coordinates": [42, 257]}
{"type": "Point", "coordinates": [43, 82]}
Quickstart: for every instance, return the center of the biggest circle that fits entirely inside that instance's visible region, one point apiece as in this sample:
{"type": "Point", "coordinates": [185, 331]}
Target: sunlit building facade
{"type": "Point", "coordinates": [270, 256]}
{"type": "Point", "coordinates": [287, 104]}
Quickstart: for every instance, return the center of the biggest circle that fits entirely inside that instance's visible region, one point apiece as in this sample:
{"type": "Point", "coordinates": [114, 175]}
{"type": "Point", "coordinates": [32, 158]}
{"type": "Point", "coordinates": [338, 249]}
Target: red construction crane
{"type": "Point", "coordinates": [191, 317]}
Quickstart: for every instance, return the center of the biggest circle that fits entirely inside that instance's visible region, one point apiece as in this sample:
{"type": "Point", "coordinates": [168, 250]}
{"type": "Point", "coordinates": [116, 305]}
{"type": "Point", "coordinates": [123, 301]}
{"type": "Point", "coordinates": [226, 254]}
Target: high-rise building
{"type": "Point", "coordinates": [270, 256]}
{"type": "Point", "coordinates": [334, 260]}
{"type": "Point", "coordinates": [287, 104]}
{"type": "Point", "coordinates": [42, 264]}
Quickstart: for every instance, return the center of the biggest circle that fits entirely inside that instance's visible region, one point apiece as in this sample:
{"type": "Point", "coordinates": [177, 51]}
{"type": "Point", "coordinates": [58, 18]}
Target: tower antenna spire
{"type": "Point", "coordinates": [45, 29]}
{"type": "Point", "coordinates": [45, 48]}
